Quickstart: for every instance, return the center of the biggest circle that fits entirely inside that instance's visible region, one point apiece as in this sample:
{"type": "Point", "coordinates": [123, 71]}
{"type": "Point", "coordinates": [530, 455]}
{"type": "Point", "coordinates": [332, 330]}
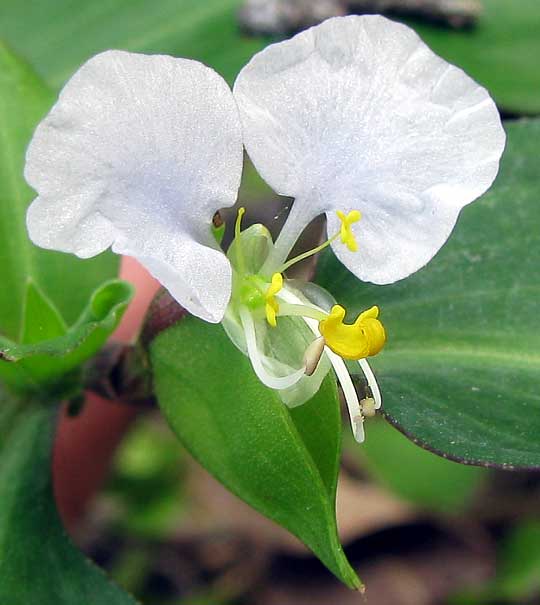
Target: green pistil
{"type": "Point", "coordinates": [251, 290]}
{"type": "Point", "coordinates": [240, 260]}
{"type": "Point", "coordinates": [288, 310]}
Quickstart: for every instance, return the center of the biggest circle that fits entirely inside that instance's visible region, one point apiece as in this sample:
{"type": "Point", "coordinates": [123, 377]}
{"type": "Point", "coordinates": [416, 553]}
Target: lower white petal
{"type": "Point", "coordinates": [257, 359]}
{"type": "Point", "coordinates": [198, 276]}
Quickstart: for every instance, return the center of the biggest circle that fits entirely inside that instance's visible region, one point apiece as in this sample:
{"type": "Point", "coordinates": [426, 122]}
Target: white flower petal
{"type": "Point", "coordinates": [358, 113]}
{"type": "Point", "coordinates": [138, 153]}
{"type": "Point", "coordinates": [259, 361]}
{"type": "Point", "coordinates": [198, 276]}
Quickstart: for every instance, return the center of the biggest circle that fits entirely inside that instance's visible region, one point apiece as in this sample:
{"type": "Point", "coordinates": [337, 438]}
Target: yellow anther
{"type": "Point", "coordinates": [272, 305]}
{"type": "Point", "coordinates": [364, 338]}
{"type": "Point", "coordinates": [345, 233]}
{"type": "Point", "coordinates": [347, 236]}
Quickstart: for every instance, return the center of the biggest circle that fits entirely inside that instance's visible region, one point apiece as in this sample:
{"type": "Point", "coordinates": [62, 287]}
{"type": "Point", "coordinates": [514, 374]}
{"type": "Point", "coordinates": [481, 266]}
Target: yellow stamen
{"type": "Point", "coordinates": [272, 305]}
{"type": "Point", "coordinates": [364, 338]}
{"type": "Point", "coordinates": [240, 260]}
{"type": "Point", "coordinates": [368, 407]}
{"type": "Point", "coordinates": [347, 236]}
{"type": "Point", "coordinates": [307, 254]}
{"type": "Point", "coordinates": [345, 233]}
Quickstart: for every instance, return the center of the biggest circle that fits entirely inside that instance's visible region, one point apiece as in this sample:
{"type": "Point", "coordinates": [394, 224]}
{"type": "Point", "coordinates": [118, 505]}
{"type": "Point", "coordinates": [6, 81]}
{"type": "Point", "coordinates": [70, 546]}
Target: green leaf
{"type": "Point", "coordinates": [414, 474]}
{"type": "Point", "coordinates": [38, 563]}
{"type": "Point", "coordinates": [460, 372]}
{"type": "Point", "coordinates": [41, 319]}
{"type": "Point", "coordinates": [283, 463]}
{"type": "Point", "coordinates": [66, 280]}
{"type": "Point", "coordinates": [501, 53]}
{"type": "Point", "coordinates": [33, 366]}
{"type": "Point", "coordinates": [56, 37]}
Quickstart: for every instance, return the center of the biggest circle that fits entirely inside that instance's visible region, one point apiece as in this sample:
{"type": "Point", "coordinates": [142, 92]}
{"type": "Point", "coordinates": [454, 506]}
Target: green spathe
{"type": "Point", "coordinates": [282, 462]}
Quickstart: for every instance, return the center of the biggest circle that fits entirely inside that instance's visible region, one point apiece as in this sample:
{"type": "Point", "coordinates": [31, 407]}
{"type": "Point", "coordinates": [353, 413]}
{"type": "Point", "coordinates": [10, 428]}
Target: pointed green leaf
{"type": "Point", "coordinates": [282, 463]}
{"type": "Point", "coordinates": [460, 372]}
{"type": "Point", "coordinates": [41, 319]}
{"type": "Point", "coordinates": [66, 280]}
{"type": "Point", "coordinates": [30, 367]}
{"type": "Point", "coordinates": [38, 563]}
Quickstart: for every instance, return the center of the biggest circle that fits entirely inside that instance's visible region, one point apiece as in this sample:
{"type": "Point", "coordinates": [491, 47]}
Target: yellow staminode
{"type": "Point", "coordinates": [347, 236]}
{"type": "Point", "coordinates": [272, 305]}
{"type": "Point", "coordinates": [364, 338]}
{"type": "Point", "coordinates": [345, 233]}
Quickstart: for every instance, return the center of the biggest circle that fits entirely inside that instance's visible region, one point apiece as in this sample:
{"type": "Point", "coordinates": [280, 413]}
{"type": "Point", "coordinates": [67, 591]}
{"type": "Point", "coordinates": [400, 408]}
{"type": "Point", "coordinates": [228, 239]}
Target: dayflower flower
{"type": "Point", "coordinates": [356, 119]}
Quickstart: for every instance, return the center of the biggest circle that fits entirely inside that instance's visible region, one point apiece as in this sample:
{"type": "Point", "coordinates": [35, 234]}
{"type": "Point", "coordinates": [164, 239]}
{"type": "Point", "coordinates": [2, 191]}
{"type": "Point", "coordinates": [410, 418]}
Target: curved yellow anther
{"type": "Point", "coordinates": [364, 338]}
{"type": "Point", "coordinates": [272, 305]}
{"type": "Point", "coordinates": [347, 236]}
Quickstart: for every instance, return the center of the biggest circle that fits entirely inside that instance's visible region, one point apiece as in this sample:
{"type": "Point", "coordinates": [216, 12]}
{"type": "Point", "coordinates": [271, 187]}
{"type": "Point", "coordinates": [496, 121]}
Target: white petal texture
{"type": "Point", "coordinates": [358, 113]}
{"type": "Point", "coordinates": [137, 154]}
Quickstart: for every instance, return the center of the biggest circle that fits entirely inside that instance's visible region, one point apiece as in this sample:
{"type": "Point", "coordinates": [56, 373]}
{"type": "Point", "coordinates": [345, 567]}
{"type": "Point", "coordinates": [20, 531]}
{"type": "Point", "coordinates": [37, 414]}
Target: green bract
{"type": "Point", "coordinates": [282, 462]}
{"type": "Point", "coordinates": [46, 359]}
{"type": "Point", "coordinates": [284, 345]}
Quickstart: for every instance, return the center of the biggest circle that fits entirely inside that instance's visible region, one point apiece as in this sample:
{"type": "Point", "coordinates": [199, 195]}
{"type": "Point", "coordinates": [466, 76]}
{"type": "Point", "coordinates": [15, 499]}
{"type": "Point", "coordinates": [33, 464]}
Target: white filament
{"type": "Point", "coordinates": [372, 382]}
{"type": "Point", "coordinates": [349, 392]}
{"type": "Point", "coordinates": [347, 386]}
